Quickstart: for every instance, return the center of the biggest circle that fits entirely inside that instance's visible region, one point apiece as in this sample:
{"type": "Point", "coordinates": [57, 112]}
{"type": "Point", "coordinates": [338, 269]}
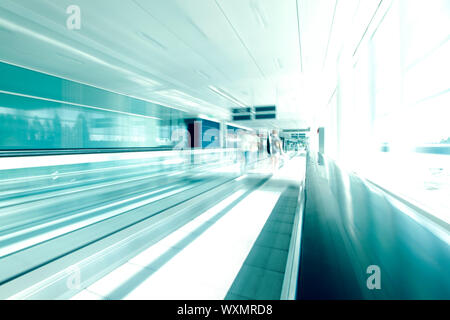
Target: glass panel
{"type": "Point", "coordinates": [61, 114]}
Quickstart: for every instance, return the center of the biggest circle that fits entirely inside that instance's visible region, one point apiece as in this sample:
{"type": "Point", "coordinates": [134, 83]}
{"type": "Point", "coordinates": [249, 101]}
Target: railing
{"type": "Point", "coordinates": [351, 226]}
{"type": "Point", "coordinates": [290, 282]}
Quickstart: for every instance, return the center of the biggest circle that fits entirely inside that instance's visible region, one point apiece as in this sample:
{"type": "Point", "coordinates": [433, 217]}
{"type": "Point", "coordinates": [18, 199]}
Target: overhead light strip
{"type": "Point", "coordinates": [259, 16]}
{"type": "Point", "coordinates": [330, 34]}
{"type": "Point", "coordinates": [299, 36]}
{"type": "Point", "coordinates": [238, 126]}
{"type": "Point", "coordinates": [226, 96]}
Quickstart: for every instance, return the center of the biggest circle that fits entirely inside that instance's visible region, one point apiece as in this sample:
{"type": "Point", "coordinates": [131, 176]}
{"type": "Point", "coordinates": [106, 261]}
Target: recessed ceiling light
{"type": "Point", "coordinates": [152, 41]}
{"type": "Point", "coordinates": [144, 81]}
{"type": "Point", "coordinates": [260, 17]}
{"type": "Point", "coordinates": [69, 58]}
{"type": "Point", "coordinates": [203, 75]}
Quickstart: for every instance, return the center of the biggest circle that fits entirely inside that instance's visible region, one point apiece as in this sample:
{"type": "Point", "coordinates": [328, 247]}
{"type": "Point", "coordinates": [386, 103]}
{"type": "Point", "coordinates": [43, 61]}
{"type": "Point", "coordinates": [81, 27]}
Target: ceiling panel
{"type": "Point", "coordinates": [174, 52]}
{"type": "Point", "coordinates": [267, 30]}
{"type": "Point", "coordinates": [316, 18]}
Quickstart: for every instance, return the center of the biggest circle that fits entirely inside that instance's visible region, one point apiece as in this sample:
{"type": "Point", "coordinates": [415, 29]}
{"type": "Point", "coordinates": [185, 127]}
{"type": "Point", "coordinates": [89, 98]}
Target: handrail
{"type": "Point", "coordinates": [290, 282]}
{"type": "Point", "coordinates": [15, 162]}
{"type": "Point", "coordinates": [69, 151]}
{"type": "Point", "coordinates": [414, 206]}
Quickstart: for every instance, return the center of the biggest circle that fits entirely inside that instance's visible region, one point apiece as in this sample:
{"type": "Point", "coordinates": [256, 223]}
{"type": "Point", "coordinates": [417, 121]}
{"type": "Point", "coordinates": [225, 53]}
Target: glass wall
{"type": "Point", "coordinates": [394, 96]}
{"type": "Point", "coordinates": [411, 74]}
{"type": "Point", "coordinates": [38, 111]}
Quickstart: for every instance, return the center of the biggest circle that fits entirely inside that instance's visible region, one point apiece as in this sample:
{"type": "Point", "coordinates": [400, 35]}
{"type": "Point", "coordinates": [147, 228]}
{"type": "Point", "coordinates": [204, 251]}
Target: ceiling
{"type": "Point", "coordinates": [181, 53]}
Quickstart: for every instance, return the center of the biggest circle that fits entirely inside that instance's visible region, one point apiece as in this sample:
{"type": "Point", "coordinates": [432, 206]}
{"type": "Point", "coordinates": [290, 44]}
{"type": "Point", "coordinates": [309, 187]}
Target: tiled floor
{"type": "Point", "coordinates": [261, 277]}
{"type": "Point", "coordinates": [256, 283]}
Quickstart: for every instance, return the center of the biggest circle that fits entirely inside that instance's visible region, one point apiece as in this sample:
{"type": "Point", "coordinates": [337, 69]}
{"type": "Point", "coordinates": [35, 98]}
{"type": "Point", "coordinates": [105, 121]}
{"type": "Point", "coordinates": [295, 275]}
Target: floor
{"type": "Point", "coordinates": [235, 250]}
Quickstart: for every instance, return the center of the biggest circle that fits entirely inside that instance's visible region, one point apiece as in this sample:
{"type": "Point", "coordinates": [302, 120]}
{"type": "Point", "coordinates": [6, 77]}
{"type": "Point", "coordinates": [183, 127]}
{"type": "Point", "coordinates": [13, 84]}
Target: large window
{"type": "Point", "coordinates": [401, 104]}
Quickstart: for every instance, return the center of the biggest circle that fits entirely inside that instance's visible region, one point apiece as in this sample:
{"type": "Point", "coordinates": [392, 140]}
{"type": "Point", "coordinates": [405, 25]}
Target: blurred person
{"type": "Point", "coordinates": [245, 147]}
{"type": "Point", "coordinates": [260, 146]}
{"type": "Point", "coordinates": [253, 149]}
{"type": "Point", "coordinates": [276, 149]}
